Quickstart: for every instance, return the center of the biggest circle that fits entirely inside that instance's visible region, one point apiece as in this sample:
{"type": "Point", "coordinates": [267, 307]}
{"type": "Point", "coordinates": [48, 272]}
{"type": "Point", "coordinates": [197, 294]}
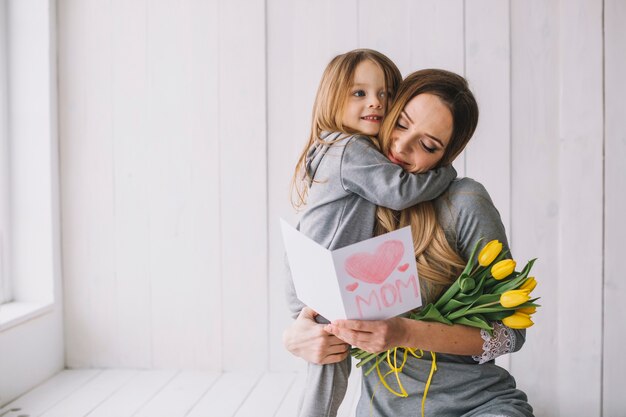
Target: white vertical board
{"type": "Point", "coordinates": [437, 33]}
{"type": "Point", "coordinates": [303, 36]}
{"type": "Point", "coordinates": [535, 187]}
{"type": "Point", "coordinates": [614, 365]}
{"type": "Point", "coordinates": [243, 183]}
{"type": "Point", "coordinates": [183, 186]}
{"type": "Point", "coordinates": [488, 72]}
{"type": "Point", "coordinates": [140, 168]}
{"type": "Point", "coordinates": [385, 28]}
{"type": "Point", "coordinates": [283, 143]}
{"type": "Point", "coordinates": [487, 69]}
{"type": "Point", "coordinates": [5, 287]}
{"type": "Point", "coordinates": [580, 208]}
{"type": "Point", "coordinates": [130, 144]}
{"type": "Point", "coordinates": [85, 114]}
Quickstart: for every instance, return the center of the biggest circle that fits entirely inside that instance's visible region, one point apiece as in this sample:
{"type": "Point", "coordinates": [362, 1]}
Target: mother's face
{"type": "Point", "coordinates": [421, 135]}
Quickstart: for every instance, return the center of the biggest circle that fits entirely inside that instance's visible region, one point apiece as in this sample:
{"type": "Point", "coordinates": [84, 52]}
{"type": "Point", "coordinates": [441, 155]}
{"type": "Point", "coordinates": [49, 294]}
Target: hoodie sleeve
{"type": "Point", "coordinates": [368, 173]}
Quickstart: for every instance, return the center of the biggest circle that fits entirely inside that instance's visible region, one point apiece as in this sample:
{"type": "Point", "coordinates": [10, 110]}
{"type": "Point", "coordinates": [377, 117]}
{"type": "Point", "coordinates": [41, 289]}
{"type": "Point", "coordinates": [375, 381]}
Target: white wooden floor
{"type": "Point", "coordinates": [147, 393]}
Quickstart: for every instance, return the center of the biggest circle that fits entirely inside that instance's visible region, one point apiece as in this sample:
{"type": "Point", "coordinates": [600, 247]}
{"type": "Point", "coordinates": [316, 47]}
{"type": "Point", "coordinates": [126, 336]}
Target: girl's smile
{"type": "Point", "coordinates": [365, 106]}
{"type": "Point", "coordinates": [372, 118]}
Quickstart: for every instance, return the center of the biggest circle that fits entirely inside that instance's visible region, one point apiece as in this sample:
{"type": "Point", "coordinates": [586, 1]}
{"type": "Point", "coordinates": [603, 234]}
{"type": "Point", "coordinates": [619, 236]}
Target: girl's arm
{"type": "Point", "coordinates": [368, 173]}
{"type": "Point", "coordinates": [466, 214]}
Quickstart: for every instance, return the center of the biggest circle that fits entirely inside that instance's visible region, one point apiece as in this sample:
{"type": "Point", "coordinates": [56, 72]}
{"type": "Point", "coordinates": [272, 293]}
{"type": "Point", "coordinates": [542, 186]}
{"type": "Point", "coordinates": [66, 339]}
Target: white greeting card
{"type": "Point", "coordinates": [370, 280]}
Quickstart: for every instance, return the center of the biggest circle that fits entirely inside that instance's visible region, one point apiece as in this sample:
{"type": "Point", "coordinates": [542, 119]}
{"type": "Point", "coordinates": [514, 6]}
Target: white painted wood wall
{"type": "Point", "coordinates": [180, 122]}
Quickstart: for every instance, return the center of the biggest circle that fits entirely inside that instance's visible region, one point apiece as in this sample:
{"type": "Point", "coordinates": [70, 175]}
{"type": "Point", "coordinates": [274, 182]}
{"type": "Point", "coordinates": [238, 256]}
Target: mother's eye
{"type": "Point", "coordinates": [427, 149]}
{"type": "Point", "coordinates": [400, 126]}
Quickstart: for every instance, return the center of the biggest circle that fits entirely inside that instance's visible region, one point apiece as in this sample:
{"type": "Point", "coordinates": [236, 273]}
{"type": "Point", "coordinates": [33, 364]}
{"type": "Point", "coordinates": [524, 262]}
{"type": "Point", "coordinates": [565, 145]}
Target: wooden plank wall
{"type": "Point", "coordinates": [580, 277]}
{"type": "Point", "coordinates": [614, 286]}
{"type": "Point", "coordinates": [181, 122]}
{"type": "Point", "coordinates": [535, 186]}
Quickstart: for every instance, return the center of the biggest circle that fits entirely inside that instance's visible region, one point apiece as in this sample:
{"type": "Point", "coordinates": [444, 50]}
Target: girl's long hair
{"type": "Point", "coordinates": [438, 263]}
{"type": "Point", "coordinates": [328, 108]}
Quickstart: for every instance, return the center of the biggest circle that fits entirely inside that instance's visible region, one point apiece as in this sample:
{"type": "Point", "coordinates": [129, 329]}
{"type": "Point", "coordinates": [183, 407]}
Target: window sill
{"type": "Point", "coordinates": [12, 314]}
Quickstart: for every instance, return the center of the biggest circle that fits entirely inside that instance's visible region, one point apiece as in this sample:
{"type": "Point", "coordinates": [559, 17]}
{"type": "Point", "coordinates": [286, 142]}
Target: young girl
{"type": "Point", "coordinates": [342, 177]}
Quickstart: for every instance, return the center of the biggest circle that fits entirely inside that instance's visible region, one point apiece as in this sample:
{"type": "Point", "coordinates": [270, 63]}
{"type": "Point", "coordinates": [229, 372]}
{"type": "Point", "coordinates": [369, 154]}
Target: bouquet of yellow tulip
{"type": "Point", "coordinates": [489, 289]}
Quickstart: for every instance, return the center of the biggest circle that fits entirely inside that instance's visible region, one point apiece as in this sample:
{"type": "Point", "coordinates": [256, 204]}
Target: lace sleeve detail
{"type": "Point", "coordinates": [501, 343]}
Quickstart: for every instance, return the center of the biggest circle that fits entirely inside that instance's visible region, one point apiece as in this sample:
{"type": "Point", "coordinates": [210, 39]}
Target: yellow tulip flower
{"type": "Point", "coordinates": [489, 253]}
{"type": "Point", "coordinates": [513, 298]}
{"type": "Point", "coordinates": [529, 284]}
{"type": "Point", "coordinates": [503, 269]}
{"type": "Point", "coordinates": [518, 321]}
{"type": "Point", "coordinates": [527, 310]}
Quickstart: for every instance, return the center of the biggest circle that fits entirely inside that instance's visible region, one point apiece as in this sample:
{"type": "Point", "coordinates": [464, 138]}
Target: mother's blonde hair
{"type": "Point", "coordinates": [438, 264]}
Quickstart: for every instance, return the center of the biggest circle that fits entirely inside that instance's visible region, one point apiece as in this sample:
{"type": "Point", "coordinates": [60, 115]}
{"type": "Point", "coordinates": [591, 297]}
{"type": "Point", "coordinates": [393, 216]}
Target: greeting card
{"type": "Point", "coordinates": [370, 280]}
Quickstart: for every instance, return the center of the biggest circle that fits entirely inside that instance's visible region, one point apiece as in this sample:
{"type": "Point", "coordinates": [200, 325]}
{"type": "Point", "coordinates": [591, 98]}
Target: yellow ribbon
{"type": "Point", "coordinates": [395, 369]}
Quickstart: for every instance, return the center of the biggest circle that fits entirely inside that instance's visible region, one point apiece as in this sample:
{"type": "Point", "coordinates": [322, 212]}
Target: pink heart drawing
{"type": "Point", "coordinates": [375, 268]}
{"type": "Point", "coordinates": [403, 268]}
{"type": "Point", "coordinates": [352, 286]}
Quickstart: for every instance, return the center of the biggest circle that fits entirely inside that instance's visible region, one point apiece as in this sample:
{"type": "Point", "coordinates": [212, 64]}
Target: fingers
{"type": "Point", "coordinates": [372, 336]}
{"type": "Point", "coordinates": [334, 355]}
{"type": "Point", "coordinates": [308, 313]}
{"type": "Point", "coordinates": [349, 336]}
{"type": "Point", "coordinates": [368, 326]}
{"type": "Point", "coordinates": [334, 358]}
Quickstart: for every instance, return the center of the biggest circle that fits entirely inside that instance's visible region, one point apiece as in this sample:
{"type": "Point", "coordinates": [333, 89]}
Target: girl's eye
{"type": "Point", "coordinates": [382, 94]}
{"type": "Point", "coordinates": [359, 93]}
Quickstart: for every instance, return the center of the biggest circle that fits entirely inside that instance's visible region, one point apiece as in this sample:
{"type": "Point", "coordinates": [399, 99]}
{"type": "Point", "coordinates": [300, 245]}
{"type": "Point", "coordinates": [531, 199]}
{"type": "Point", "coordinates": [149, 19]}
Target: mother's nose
{"type": "Point", "coordinates": [399, 145]}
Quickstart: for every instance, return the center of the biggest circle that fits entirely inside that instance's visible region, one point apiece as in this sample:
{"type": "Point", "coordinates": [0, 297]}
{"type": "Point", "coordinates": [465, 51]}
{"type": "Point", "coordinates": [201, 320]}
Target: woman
{"type": "Point", "coordinates": [432, 119]}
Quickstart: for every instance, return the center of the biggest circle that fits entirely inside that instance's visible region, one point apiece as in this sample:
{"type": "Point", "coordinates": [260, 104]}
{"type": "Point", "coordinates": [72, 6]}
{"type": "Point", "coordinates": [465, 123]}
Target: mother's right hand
{"type": "Point", "coordinates": [308, 340]}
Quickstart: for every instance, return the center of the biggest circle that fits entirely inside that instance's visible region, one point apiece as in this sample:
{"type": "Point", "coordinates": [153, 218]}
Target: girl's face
{"type": "Point", "coordinates": [421, 135]}
{"type": "Point", "coordinates": [365, 105]}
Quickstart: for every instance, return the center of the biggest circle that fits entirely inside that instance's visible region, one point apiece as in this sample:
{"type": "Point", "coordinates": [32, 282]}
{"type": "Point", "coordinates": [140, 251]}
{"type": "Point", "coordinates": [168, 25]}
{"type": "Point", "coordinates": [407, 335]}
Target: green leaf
{"type": "Point", "coordinates": [470, 261]}
{"type": "Point", "coordinates": [474, 321]}
{"type": "Point", "coordinates": [450, 292]}
{"type": "Point", "coordinates": [452, 305]}
{"type": "Point", "coordinates": [486, 299]}
{"type": "Point", "coordinates": [498, 315]}
{"type": "Point", "coordinates": [492, 309]}
{"type": "Point", "coordinates": [430, 313]}
{"type": "Point", "coordinates": [467, 284]}
{"type": "Point", "coordinates": [470, 299]}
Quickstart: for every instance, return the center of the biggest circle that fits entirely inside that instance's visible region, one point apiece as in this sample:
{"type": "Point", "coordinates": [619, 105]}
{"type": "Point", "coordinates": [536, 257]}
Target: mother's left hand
{"type": "Point", "coordinates": [372, 336]}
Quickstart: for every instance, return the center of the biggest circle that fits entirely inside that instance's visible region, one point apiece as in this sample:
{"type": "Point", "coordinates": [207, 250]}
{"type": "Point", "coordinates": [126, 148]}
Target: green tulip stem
{"type": "Point", "coordinates": [367, 359]}
{"type": "Point", "coordinates": [473, 310]}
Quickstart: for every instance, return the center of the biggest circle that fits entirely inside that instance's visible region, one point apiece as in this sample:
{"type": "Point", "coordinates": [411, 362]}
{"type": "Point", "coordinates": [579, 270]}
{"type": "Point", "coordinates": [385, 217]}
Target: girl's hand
{"type": "Point", "coordinates": [308, 340]}
{"type": "Point", "coordinates": [372, 336]}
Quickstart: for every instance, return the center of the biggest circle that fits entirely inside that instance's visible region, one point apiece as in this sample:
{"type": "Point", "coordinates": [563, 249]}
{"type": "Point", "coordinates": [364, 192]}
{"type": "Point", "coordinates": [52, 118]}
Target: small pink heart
{"type": "Point", "coordinates": [352, 286]}
{"type": "Point", "coordinates": [403, 268]}
{"type": "Point", "coordinates": [374, 268]}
